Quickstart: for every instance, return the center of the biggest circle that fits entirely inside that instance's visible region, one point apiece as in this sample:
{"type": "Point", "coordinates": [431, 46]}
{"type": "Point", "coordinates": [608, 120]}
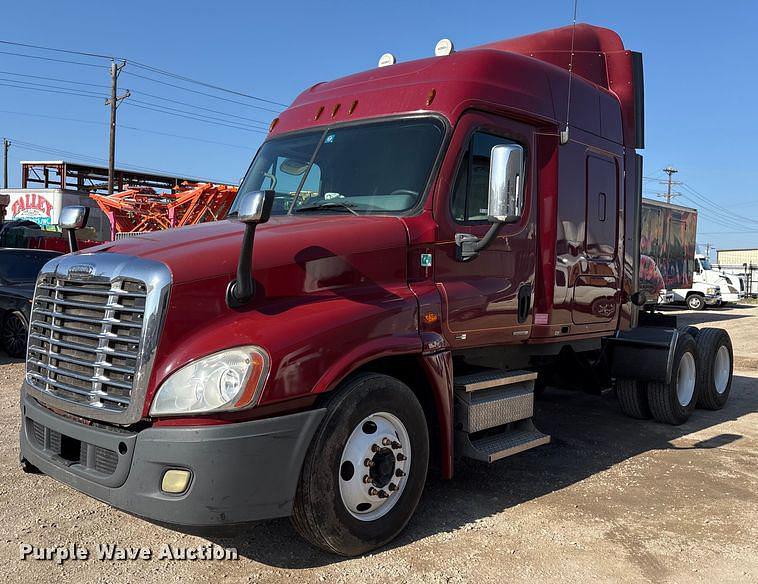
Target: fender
{"type": "Point", "coordinates": [312, 345]}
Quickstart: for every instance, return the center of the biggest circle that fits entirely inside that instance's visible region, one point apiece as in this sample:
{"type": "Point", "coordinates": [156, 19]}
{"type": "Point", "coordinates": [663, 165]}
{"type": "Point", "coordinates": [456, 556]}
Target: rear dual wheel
{"type": "Point", "coordinates": [673, 402]}
{"type": "Point", "coordinates": [714, 377]}
{"type": "Point", "coordinates": [366, 467]}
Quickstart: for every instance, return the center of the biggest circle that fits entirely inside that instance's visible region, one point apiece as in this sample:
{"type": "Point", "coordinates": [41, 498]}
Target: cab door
{"type": "Point", "coordinates": [486, 300]}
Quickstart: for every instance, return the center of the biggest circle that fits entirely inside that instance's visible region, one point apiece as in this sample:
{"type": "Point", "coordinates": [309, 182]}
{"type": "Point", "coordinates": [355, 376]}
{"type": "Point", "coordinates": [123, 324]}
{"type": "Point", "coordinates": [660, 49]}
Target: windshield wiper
{"type": "Point", "coordinates": [329, 206]}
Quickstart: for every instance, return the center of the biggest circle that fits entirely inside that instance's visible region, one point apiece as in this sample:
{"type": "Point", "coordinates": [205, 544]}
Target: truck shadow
{"type": "Point", "coordinates": [590, 435]}
{"type": "Point", "coordinates": [5, 359]}
{"type": "Point", "coordinates": [703, 318]}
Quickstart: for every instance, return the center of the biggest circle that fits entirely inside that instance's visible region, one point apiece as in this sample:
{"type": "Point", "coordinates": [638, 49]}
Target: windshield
{"type": "Point", "coordinates": [368, 168]}
{"type": "Point", "coordinates": [706, 263]}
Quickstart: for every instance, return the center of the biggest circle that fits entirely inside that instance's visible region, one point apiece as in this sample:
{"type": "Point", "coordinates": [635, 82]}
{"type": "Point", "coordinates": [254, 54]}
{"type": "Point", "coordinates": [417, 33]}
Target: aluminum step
{"type": "Point", "coordinates": [492, 378]}
{"type": "Point", "coordinates": [489, 408]}
{"type": "Point", "coordinates": [517, 438]}
{"type": "Point", "coordinates": [492, 397]}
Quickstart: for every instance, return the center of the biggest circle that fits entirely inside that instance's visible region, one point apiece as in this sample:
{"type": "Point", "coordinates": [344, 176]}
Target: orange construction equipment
{"type": "Point", "coordinates": [141, 209]}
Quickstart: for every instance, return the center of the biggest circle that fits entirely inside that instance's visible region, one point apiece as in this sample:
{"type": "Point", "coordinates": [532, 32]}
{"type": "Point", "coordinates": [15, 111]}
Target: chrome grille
{"type": "Point", "coordinates": [84, 339]}
{"type": "Point", "coordinates": [93, 334]}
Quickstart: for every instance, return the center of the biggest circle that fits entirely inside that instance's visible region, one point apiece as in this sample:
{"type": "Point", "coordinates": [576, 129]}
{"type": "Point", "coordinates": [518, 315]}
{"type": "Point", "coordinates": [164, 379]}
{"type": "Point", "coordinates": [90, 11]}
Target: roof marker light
{"type": "Point", "coordinates": [387, 59]}
{"type": "Point", "coordinates": [443, 48]}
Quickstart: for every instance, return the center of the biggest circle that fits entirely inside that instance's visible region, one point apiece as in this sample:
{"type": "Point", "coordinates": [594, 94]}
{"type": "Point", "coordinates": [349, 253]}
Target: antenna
{"type": "Point", "coordinates": [565, 131]}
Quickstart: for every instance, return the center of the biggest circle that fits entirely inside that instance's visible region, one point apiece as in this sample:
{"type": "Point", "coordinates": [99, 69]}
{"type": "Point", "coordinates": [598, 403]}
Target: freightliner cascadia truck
{"type": "Point", "coordinates": [414, 249]}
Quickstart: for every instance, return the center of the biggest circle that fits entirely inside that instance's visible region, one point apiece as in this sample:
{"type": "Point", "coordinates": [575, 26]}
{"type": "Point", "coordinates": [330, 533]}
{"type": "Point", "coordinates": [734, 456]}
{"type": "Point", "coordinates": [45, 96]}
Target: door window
{"type": "Point", "coordinates": [471, 189]}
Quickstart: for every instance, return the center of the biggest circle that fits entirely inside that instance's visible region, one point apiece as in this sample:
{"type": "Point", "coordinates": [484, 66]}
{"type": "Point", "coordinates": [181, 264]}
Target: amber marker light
{"type": "Point", "coordinates": [431, 318]}
{"type": "Point", "coordinates": [257, 371]}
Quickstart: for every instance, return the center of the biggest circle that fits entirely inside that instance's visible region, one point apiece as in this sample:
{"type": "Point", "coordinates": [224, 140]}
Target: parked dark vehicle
{"type": "Point", "coordinates": [18, 273]}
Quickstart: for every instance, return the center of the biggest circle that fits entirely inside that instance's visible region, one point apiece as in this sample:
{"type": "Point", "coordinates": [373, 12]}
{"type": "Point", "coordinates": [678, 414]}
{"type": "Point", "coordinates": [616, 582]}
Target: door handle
{"type": "Point", "coordinates": [524, 302]}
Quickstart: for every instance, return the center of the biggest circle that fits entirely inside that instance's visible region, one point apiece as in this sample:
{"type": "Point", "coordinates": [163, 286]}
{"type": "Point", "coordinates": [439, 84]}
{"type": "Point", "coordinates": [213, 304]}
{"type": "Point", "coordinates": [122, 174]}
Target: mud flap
{"type": "Point", "coordinates": [644, 353]}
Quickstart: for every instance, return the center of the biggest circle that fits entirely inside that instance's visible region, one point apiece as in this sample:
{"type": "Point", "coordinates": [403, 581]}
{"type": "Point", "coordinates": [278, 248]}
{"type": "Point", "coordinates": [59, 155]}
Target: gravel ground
{"type": "Point", "coordinates": [610, 499]}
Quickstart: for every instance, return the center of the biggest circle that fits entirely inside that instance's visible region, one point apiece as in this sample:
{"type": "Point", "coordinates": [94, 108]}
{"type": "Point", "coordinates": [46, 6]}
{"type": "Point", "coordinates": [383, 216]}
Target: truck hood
{"type": "Point", "coordinates": [209, 250]}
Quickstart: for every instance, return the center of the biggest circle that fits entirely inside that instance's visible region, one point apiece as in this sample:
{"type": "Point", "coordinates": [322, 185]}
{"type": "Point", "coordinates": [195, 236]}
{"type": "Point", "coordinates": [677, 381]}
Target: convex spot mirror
{"type": "Point", "coordinates": [505, 202]}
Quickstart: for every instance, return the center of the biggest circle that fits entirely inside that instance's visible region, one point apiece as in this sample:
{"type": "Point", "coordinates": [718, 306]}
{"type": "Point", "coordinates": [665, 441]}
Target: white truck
{"type": "Point", "coordinates": [732, 290]}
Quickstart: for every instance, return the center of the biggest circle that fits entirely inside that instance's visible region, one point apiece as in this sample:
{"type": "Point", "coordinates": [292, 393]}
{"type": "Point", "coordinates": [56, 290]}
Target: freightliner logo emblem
{"type": "Point", "coordinates": [81, 270]}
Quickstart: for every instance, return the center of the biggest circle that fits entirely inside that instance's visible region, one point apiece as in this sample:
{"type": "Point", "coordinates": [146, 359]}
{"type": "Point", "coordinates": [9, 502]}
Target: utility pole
{"type": "Point", "coordinates": [708, 247]}
{"type": "Point", "coordinates": [114, 100]}
{"type": "Point", "coordinates": [669, 170]}
{"type": "Point", "coordinates": [6, 145]}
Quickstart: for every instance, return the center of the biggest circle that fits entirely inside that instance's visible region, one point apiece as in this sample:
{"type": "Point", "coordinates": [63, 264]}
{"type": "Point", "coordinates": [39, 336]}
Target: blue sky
{"type": "Point", "coordinates": [699, 66]}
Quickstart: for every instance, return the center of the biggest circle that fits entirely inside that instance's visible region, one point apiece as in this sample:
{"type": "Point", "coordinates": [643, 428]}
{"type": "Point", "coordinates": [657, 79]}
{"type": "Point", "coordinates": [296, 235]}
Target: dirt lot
{"type": "Point", "coordinates": [611, 499]}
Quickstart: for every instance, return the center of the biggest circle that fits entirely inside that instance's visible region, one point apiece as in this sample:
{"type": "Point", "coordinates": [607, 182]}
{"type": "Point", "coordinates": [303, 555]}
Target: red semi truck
{"type": "Point", "coordinates": [413, 249]}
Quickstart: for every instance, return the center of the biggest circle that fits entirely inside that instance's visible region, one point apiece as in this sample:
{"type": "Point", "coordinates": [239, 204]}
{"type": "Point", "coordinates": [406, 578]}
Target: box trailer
{"type": "Point", "coordinates": [413, 251]}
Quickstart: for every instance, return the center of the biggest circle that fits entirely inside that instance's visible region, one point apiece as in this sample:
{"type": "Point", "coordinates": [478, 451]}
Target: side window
{"type": "Point", "coordinates": [470, 191]}
{"type": "Point", "coordinates": [602, 207]}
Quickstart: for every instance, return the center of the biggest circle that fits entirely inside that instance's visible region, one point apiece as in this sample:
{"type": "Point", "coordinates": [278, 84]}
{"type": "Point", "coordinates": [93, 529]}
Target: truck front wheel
{"type": "Point", "coordinates": [695, 302]}
{"type": "Point", "coordinates": [365, 469]}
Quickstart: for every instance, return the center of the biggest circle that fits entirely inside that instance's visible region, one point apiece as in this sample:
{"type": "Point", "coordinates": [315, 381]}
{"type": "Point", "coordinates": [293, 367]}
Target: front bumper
{"type": "Point", "coordinates": [731, 297]}
{"type": "Point", "coordinates": [240, 472]}
{"type": "Point", "coordinates": [711, 299]}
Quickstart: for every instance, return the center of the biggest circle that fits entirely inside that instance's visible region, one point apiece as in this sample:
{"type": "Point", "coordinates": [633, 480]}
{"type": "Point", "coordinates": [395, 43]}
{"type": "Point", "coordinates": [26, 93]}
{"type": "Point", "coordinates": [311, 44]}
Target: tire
{"type": "Point", "coordinates": [632, 396]}
{"type": "Point", "coordinates": [673, 402]}
{"type": "Point", "coordinates": [690, 330]}
{"type": "Point", "coordinates": [715, 368]}
{"type": "Point", "coordinates": [13, 334]}
{"type": "Point", "coordinates": [325, 512]}
{"type": "Point", "coordinates": [695, 302]}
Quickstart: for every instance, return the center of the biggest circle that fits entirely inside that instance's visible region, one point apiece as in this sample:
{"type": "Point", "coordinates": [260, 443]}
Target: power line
{"type": "Point", "coordinates": [132, 62]}
{"type": "Point", "coordinates": [199, 115]}
{"type": "Point", "coordinates": [74, 93]}
{"type": "Point", "coordinates": [51, 59]}
{"type": "Point", "coordinates": [83, 92]}
{"type": "Point", "coordinates": [161, 82]}
{"type": "Point", "coordinates": [125, 127]}
{"type": "Point", "coordinates": [192, 117]}
{"type": "Point", "coordinates": [721, 210]}
{"type": "Point", "coordinates": [69, 51]}
{"type": "Point", "coordinates": [200, 107]}
{"type": "Point", "coordinates": [67, 153]}
{"type": "Point", "coordinates": [145, 105]}
{"type": "Point", "coordinates": [100, 85]}
{"type": "Point", "coordinates": [204, 84]}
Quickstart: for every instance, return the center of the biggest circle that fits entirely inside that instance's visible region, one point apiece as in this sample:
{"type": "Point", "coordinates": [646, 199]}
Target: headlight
{"type": "Point", "coordinates": [712, 291]}
{"type": "Point", "coordinates": [227, 380]}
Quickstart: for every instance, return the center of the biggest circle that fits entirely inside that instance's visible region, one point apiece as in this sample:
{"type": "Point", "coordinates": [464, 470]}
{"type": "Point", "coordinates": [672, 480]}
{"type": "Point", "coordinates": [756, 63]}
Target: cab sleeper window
{"type": "Point", "coordinates": [470, 192]}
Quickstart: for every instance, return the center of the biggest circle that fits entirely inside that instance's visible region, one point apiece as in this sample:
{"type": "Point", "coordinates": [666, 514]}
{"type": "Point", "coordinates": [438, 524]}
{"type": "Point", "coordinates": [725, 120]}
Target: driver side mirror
{"type": "Point", "coordinates": [505, 198]}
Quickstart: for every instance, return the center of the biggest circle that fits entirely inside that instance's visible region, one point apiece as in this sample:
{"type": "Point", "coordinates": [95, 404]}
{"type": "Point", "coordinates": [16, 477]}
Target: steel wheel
{"type": "Point", "coordinates": [373, 466]}
{"type": "Point", "coordinates": [685, 379]}
{"type": "Point", "coordinates": [722, 369]}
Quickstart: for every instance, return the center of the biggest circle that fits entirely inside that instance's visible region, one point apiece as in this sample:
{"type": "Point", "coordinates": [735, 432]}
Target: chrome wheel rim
{"type": "Point", "coordinates": [685, 379]}
{"type": "Point", "coordinates": [721, 368]}
{"type": "Point", "coordinates": [374, 466]}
